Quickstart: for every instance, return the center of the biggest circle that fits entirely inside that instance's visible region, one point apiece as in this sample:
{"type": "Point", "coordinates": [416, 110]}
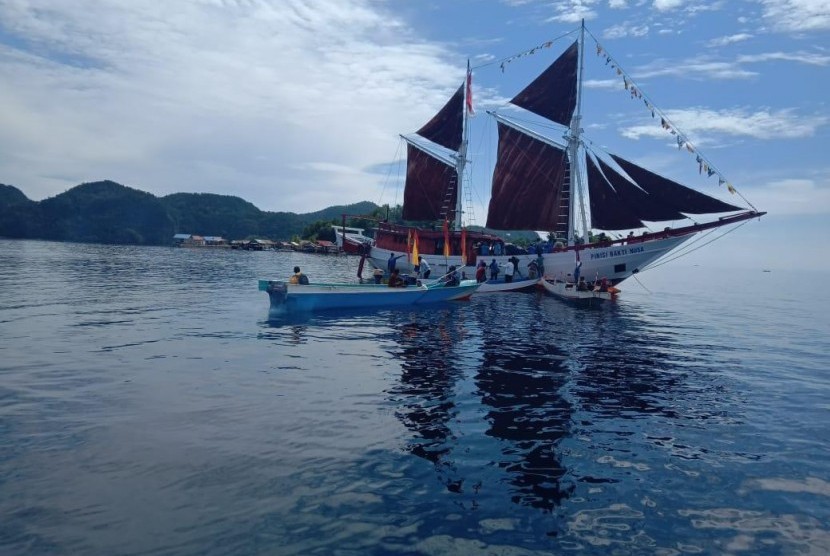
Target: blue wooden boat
{"type": "Point", "coordinates": [319, 297]}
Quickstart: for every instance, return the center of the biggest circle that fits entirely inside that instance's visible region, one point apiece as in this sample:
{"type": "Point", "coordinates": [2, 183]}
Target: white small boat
{"type": "Point", "coordinates": [495, 286]}
{"type": "Point", "coordinates": [570, 292]}
{"type": "Point", "coordinates": [319, 297]}
{"type": "Point", "coordinates": [351, 240]}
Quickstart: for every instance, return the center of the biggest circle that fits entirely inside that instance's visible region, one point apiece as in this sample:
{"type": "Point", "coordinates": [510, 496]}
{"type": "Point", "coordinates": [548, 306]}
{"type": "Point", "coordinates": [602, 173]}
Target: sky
{"type": "Point", "coordinates": [298, 105]}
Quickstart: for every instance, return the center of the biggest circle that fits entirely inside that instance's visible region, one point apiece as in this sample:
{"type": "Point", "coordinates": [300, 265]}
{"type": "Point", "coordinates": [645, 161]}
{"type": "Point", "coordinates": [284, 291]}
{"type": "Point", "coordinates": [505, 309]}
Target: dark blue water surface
{"type": "Point", "coordinates": [148, 405]}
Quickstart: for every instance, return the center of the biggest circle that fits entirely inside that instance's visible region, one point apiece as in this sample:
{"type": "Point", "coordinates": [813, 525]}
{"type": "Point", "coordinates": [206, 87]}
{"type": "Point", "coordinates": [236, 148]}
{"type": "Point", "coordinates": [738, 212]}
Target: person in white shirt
{"type": "Point", "coordinates": [425, 270]}
{"type": "Point", "coordinates": [509, 269]}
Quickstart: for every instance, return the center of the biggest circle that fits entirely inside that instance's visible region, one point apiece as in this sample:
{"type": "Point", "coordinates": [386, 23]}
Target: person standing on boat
{"type": "Point", "coordinates": [509, 269]}
{"type": "Point", "coordinates": [298, 277]}
{"type": "Point", "coordinates": [425, 270]}
{"type": "Point", "coordinates": [494, 270]}
{"type": "Point", "coordinates": [481, 272]}
{"type": "Point", "coordinates": [576, 272]}
{"type": "Point", "coordinates": [392, 263]}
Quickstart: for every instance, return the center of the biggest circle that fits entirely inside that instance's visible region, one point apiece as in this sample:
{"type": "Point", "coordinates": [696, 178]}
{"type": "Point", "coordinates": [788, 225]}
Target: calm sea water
{"type": "Point", "coordinates": [148, 405]}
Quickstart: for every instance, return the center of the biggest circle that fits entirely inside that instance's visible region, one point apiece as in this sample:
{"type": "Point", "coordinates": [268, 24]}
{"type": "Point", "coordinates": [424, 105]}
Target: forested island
{"type": "Point", "coordinates": [108, 212]}
{"type": "Point", "coordinates": [111, 213]}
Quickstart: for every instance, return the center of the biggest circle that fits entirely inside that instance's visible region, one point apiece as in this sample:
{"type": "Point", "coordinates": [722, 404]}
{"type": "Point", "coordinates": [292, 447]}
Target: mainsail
{"type": "Point", "coordinates": [431, 189]}
{"type": "Point", "coordinates": [528, 183]}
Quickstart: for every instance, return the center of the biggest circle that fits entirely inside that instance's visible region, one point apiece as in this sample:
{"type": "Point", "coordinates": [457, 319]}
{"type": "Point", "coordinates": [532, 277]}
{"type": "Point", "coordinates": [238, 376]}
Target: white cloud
{"type": "Point", "coordinates": [277, 97]}
{"type": "Point", "coordinates": [706, 67]}
{"type": "Point", "coordinates": [730, 39]}
{"type": "Point", "coordinates": [696, 123]}
{"type": "Point", "coordinates": [573, 11]}
{"type": "Point", "coordinates": [797, 15]}
{"type": "Point", "coordinates": [702, 68]}
{"type": "Point", "coordinates": [601, 84]}
{"type": "Point", "coordinates": [666, 5]}
{"type": "Point", "coordinates": [794, 196]}
{"type": "Point", "coordinates": [617, 4]}
{"type": "Point", "coordinates": [809, 58]}
{"type": "Point", "coordinates": [625, 30]}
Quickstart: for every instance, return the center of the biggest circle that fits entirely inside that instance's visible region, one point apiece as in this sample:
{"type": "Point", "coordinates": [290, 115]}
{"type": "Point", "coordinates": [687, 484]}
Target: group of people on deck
{"type": "Point", "coordinates": [510, 269]}
{"type": "Point", "coordinates": [453, 278]}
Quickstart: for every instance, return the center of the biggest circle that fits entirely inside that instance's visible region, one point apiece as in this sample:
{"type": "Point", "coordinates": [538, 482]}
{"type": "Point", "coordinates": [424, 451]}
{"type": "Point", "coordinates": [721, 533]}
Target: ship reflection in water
{"type": "Point", "coordinates": [464, 392]}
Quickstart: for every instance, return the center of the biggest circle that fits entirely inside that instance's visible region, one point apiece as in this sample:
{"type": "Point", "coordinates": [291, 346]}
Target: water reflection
{"type": "Point", "coordinates": [462, 382]}
{"type": "Point", "coordinates": [527, 411]}
{"type": "Point", "coordinates": [425, 395]}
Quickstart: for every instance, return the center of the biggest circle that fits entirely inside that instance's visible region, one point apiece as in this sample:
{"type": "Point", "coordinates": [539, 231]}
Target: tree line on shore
{"type": "Point", "coordinates": [111, 213]}
{"type": "Point", "coordinates": [108, 212]}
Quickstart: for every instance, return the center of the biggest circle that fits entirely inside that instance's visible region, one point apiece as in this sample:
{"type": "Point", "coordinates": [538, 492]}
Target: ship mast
{"type": "Point", "coordinates": [574, 140]}
{"type": "Point", "coordinates": [461, 157]}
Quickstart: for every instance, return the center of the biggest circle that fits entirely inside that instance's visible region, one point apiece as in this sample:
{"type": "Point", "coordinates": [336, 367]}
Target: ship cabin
{"type": "Point", "coordinates": [431, 241]}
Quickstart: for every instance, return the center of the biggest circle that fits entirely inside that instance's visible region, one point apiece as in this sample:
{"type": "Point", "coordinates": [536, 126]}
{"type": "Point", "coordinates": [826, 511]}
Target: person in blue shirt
{"type": "Point", "coordinates": [391, 264]}
{"type": "Point", "coordinates": [494, 270]}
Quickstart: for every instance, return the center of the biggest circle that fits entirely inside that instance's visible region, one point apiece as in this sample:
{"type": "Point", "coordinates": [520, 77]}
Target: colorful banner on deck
{"type": "Point", "coordinates": [415, 247]}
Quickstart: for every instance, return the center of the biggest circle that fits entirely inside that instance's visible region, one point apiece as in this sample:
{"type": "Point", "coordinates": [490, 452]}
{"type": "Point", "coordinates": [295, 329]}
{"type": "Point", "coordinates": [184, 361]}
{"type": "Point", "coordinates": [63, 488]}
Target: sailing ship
{"type": "Point", "coordinates": [561, 186]}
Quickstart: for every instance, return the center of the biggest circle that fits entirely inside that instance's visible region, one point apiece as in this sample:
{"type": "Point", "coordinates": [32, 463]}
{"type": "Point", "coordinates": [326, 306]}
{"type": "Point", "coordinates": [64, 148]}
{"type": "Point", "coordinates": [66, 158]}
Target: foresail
{"type": "Point", "coordinates": [430, 186]}
{"type": "Point", "coordinates": [446, 127]}
{"type": "Point", "coordinates": [671, 194]}
{"type": "Point", "coordinates": [609, 211]}
{"type": "Point", "coordinates": [528, 183]}
{"type": "Point", "coordinates": [618, 204]}
{"type": "Point", "coordinates": [644, 206]}
{"type": "Point", "coordinates": [553, 94]}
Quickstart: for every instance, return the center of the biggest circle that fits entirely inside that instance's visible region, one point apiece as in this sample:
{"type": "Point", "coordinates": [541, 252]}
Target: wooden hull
{"type": "Point", "coordinates": [320, 297]}
{"type": "Point", "coordinates": [495, 286]}
{"type": "Point", "coordinates": [615, 262]}
{"type": "Point", "coordinates": [569, 292]}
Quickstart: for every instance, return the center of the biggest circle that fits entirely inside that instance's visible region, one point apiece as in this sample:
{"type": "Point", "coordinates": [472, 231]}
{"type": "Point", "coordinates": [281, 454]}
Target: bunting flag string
{"type": "Point", "coordinates": [682, 141]}
{"type": "Point", "coordinates": [525, 53]}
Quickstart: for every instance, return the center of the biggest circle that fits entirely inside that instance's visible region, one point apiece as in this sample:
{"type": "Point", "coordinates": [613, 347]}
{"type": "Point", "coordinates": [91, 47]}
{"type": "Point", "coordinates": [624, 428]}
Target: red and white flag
{"type": "Point", "coordinates": [470, 110]}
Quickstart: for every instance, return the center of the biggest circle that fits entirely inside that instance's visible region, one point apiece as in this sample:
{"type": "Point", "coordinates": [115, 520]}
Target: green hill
{"type": "Point", "coordinates": [108, 212]}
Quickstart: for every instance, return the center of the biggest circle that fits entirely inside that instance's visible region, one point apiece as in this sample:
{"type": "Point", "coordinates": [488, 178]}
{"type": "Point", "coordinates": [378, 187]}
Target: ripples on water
{"type": "Point", "coordinates": [150, 405]}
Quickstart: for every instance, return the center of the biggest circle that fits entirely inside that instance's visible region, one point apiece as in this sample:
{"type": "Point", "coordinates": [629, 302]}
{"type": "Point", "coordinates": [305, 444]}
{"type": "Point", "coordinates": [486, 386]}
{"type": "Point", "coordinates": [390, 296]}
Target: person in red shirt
{"type": "Point", "coordinates": [481, 272]}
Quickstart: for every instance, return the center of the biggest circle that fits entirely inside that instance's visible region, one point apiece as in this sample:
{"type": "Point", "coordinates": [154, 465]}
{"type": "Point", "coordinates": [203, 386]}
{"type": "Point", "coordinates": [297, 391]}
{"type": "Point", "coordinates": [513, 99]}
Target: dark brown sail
{"type": "Point", "coordinates": [553, 94]}
{"type": "Point", "coordinates": [671, 194]}
{"type": "Point", "coordinates": [446, 127]}
{"type": "Point", "coordinates": [608, 210]}
{"type": "Point", "coordinates": [644, 206]}
{"type": "Point", "coordinates": [430, 185]}
{"type": "Point", "coordinates": [527, 183]}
